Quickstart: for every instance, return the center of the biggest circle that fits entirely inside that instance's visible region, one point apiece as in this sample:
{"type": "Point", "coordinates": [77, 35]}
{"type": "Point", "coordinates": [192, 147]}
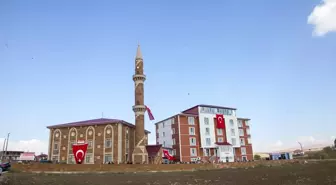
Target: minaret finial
{"type": "Point", "coordinates": [138, 54]}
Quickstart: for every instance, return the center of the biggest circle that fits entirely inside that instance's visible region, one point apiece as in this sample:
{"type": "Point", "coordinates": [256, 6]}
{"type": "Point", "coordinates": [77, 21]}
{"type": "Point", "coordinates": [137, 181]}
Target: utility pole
{"type": "Point", "coordinates": [301, 147]}
{"type": "Point", "coordinates": [3, 149]}
{"type": "Point", "coordinates": [7, 144]}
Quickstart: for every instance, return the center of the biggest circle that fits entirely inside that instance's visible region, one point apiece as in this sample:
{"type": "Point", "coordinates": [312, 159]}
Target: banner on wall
{"type": "Point", "coordinates": [79, 150]}
{"type": "Point", "coordinates": [220, 121]}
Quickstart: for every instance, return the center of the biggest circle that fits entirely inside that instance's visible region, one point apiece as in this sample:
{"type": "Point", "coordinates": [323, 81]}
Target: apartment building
{"type": "Point", "coordinates": [205, 131]}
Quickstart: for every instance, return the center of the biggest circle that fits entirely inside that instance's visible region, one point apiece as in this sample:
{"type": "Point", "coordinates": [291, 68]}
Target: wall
{"type": "Point", "coordinates": [213, 131]}
{"type": "Point", "coordinates": [166, 128]}
{"type": "Point", "coordinates": [185, 138]}
{"type": "Point", "coordinates": [117, 134]}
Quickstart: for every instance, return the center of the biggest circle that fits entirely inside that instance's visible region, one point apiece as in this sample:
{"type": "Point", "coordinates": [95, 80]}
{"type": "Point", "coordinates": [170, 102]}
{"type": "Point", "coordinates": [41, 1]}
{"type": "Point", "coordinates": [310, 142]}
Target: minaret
{"type": "Point", "coordinates": [139, 155]}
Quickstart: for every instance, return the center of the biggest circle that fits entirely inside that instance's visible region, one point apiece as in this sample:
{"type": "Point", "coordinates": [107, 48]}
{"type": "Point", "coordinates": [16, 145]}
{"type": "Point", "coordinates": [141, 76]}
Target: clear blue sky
{"type": "Point", "coordinates": [63, 61]}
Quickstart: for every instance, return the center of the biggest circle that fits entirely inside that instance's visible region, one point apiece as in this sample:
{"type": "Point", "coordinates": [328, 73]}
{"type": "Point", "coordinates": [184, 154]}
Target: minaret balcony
{"type": "Point", "coordinates": [139, 108]}
{"type": "Point", "coordinates": [138, 77]}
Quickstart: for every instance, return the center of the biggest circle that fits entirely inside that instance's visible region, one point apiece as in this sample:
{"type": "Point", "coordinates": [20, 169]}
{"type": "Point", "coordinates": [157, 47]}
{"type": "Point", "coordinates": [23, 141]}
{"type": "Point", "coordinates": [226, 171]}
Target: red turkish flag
{"type": "Point", "coordinates": [79, 151]}
{"type": "Point", "coordinates": [220, 121]}
{"type": "Point", "coordinates": [166, 154]}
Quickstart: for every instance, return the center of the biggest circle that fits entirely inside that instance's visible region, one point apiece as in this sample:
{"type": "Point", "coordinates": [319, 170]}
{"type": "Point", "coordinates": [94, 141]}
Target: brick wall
{"type": "Point", "coordinates": [99, 132]}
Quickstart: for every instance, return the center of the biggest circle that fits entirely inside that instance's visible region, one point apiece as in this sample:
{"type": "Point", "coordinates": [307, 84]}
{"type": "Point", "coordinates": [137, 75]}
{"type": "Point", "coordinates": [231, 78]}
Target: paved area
{"type": "Point", "coordinates": [312, 173]}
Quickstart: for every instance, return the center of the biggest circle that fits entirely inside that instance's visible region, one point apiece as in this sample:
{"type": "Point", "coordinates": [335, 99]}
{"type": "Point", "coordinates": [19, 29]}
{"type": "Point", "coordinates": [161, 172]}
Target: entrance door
{"type": "Point", "coordinates": [244, 158]}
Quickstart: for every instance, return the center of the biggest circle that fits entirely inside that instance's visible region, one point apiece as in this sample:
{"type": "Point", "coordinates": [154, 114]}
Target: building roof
{"type": "Point", "coordinates": [210, 106]}
{"type": "Point", "coordinates": [100, 121]}
{"type": "Point", "coordinates": [247, 119]}
{"type": "Point", "coordinates": [152, 150]}
{"type": "Point", "coordinates": [223, 143]}
{"type": "Point", "coordinates": [188, 113]}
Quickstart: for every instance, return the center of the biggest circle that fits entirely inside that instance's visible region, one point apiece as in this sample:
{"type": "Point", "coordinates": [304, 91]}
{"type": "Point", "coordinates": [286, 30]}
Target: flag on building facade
{"type": "Point", "coordinates": [150, 115]}
{"type": "Point", "coordinates": [220, 121]}
{"type": "Point", "coordinates": [79, 151]}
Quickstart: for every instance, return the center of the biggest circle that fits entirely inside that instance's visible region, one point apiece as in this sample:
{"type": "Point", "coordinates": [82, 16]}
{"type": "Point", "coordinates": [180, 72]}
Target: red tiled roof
{"type": "Point", "coordinates": [223, 143]}
{"type": "Point", "coordinates": [100, 121]}
{"type": "Point", "coordinates": [152, 150]}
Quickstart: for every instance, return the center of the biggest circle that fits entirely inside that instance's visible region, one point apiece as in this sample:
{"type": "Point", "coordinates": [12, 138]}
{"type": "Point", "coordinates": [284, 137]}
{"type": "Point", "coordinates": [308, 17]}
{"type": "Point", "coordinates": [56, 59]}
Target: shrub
{"type": "Point", "coordinates": [257, 157]}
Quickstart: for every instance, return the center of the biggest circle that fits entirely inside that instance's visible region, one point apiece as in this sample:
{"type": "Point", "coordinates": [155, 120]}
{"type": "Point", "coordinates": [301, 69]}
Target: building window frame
{"type": "Point", "coordinates": [192, 141]}
{"type": "Point", "coordinates": [193, 152]}
{"type": "Point", "coordinates": [191, 120]}
{"type": "Point", "coordinates": [192, 131]}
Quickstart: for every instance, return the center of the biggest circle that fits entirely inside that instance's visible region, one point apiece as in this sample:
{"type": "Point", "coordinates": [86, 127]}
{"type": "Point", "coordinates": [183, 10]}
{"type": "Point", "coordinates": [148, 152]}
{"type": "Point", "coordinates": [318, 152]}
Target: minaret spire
{"type": "Point", "coordinates": [138, 54]}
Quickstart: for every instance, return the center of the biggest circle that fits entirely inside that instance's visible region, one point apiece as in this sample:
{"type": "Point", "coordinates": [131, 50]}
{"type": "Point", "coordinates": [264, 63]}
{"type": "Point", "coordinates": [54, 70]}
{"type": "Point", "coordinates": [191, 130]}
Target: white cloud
{"type": "Point", "coordinates": [32, 145]}
{"type": "Point", "coordinates": [323, 18]}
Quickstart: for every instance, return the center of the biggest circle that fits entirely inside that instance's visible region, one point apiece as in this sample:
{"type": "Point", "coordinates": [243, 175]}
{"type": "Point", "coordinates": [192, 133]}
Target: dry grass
{"type": "Point", "coordinates": [312, 173]}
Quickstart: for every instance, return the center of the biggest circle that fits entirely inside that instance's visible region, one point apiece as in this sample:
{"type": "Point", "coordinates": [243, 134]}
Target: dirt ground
{"type": "Point", "coordinates": [313, 173]}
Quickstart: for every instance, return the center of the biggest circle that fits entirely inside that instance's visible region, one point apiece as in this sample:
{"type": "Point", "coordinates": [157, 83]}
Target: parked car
{"type": "Point", "coordinates": [4, 167]}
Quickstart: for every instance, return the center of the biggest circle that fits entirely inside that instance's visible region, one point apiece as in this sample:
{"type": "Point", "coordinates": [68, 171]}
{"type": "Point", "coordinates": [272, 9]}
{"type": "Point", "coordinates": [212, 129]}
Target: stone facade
{"type": "Point", "coordinates": [110, 142]}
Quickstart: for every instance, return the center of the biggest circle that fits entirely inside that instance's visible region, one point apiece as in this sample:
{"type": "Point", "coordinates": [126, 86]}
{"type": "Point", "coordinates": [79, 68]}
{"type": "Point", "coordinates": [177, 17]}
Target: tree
{"type": "Point", "coordinates": [257, 157]}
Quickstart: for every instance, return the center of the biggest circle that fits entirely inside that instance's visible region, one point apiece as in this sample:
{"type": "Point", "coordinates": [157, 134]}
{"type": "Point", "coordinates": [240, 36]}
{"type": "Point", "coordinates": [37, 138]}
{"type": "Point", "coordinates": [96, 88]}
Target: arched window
{"type": "Point", "coordinates": [72, 139]}
{"type": "Point", "coordinates": [127, 145]}
{"type": "Point", "coordinates": [90, 139]}
{"type": "Point", "coordinates": [56, 145]}
{"type": "Point", "coordinates": [231, 123]}
{"type": "Point", "coordinates": [108, 143]}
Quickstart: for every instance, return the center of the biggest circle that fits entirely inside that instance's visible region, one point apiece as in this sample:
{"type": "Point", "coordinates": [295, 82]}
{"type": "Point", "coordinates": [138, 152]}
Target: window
{"type": "Point", "coordinates": [192, 141]}
{"type": "Point", "coordinates": [55, 146]}
{"type": "Point", "coordinates": [163, 124]}
{"type": "Point", "coordinates": [172, 121]}
{"type": "Point", "coordinates": [90, 143]}
{"type": "Point", "coordinates": [226, 149]}
{"type": "Point", "coordinates": [191, 131]}
{"type": "Point", "coordinates": [207, 131]}
{"type": "Point", "coordinates": [71, 159]}
{"type": "Point", "coordinates": [191, 121]}
{"type": "Point", "coordinates": [242, 141]}
{"type": "Point", "coordinates": [220, 139]}
{"type": "Point", "coordinates": [108, 143]}
{"type": "Point", "coordinates": [193, 152]}
{"type": "Point", "coordinates": [231, 123]}
{"type": "Point", "coordinates": [240, 123]}
{"type": "Point", "coordinates": [248, 131]}
{"type": "Point", "coordinates": [219, 131]}
{"type": "Point", "coordinates": [108, 158]}
{"type": "Point", "coordinates": [247, 123]}
{"type": "Point", "coordinates": [243, 150]}
{"type": "Point", "coordinates": [241, 132]}
{"type": "Point", "coordinates": [233, 141]}
{"type": "Point", "coordinates": [164, 143]}
{"type": "Point", "coordinates": [127, 144]}
{"type": "Point", "coordinates": [206, 152]}
{"type": "Point", "coordinates": [249, 140]}
{"type": "Point", "coordinates": [88, 158]}
{"type": "Point", "coordinates": [206, 121]}
{"type": "Point", "coordinates": [174, 141]}
{"type": "Point", "coordinates": [163, 134]}
{"type": "Point", "coordinates": [233, 133]}
{"type": "Point", "coordinates": [173, 130]}
{"type": "Point", "coordinates": [207, 141]}
{"type": "Point", "coordinates": [174, 152]}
